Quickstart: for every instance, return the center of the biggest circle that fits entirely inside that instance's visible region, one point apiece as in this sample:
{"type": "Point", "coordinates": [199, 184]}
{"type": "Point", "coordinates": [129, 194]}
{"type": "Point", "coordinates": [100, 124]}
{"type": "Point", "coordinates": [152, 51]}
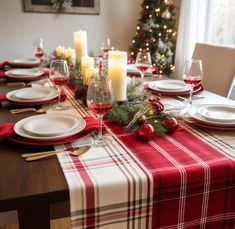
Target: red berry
{"type": "Point", "coordinates": [145, 132]}
{"type": "Point", "coordinates": [156, 103]}
{"type": "Point", "coordinates": [171, 125]}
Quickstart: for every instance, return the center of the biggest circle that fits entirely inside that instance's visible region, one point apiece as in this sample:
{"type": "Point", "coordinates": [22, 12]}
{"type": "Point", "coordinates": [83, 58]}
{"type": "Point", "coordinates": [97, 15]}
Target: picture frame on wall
{"type": "Point", "coordinates": [63, 6]}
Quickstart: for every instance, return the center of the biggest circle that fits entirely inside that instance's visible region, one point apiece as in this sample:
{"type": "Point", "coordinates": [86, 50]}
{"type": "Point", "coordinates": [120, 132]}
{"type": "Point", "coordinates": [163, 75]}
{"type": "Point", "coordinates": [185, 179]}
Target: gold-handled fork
{"type": "Point", "coordinates": [19, 84]}
{"type": "Point", "coordinates": [37, 156]}
{"type": "Point", "coordinates": [22, 110]}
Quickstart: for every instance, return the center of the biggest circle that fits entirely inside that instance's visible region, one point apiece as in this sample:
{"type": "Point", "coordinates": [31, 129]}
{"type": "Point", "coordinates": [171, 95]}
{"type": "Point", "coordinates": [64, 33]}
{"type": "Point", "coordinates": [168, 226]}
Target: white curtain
{"type": "Point", "coordinates": [193, 27]}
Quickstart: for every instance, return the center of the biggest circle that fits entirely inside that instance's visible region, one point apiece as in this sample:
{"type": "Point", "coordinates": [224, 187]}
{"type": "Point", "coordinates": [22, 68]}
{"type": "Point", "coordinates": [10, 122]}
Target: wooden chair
{"type": "Point", "coordinates": [218, 66]}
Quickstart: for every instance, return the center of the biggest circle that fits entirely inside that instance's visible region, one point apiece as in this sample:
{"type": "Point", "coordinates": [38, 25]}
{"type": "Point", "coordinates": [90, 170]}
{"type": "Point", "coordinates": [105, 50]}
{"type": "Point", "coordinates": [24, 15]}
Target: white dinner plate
{"type": "Point", "coordinates": [50, 125]}
{"type": "Point", "coordinates": [24, 73]}
{"type": "Point", "coordinates": [25, 62]}
{"type": "Point", "coordinates": [220, 113]}
{"type": "Point", "coordinates": [131, 69]}
{"type": "Point", "coordinates": [171, 86]}
{"type": "Point", "coordinates": [32, 94]}
{"type": "Point", "coordinates": [196, 115]}
{"type": "Point", "coordinates": [19, 127]}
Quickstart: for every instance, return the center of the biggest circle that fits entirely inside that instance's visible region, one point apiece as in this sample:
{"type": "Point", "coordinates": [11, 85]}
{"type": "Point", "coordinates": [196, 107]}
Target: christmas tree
{"type": "Point", "coordinates": [156, 33]}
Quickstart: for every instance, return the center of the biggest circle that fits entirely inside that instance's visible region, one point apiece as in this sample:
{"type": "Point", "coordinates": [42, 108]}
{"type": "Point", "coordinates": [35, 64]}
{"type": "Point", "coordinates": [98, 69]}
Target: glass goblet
{"type": "Point", "coordinates": [143, 63]}
{"type": "Point", "coordinates": [38, 49]}
{"type": "Point", "coordinates": [59, 75]}
{"type": "Point", "coordinates": [100, 100]}
{"type": "Point", "coordinates": [192, 75]}
{"type": "Point", "coordinates": [106, 46]}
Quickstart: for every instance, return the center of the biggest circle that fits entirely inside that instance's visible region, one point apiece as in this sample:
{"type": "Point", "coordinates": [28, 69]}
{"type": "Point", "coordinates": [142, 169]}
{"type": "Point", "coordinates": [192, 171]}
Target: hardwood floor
{"type": "Point", "coordinates": [63, 223]}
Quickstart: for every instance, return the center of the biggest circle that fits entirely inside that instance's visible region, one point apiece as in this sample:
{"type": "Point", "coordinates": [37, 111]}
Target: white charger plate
{"type": "Point", "coordinates": [168, 86]}
{"type": "Point", "coordinates": [50, 125]}
{"type": "Point", "coordinates": [24, 73]}
{"type": "Point", "coordinates": [34, 94]}
{"type": "Point", "coordinates": [196, 115]}
{"type": "Point", "coordinates": [19, 127]}
{"type": "Point", "coordinates": [25, 62]}
{"type": "Point", "coordinates": [220, 113]}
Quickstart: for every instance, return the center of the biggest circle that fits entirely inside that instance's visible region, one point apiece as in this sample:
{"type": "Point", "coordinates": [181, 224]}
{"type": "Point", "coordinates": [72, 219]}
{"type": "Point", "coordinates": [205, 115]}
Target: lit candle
{"type": "Point", "coordinates": [89, 73]}
{"type": "Point", "coordinates": [117, 69]}
{"type": "Point", "coordinates": [70, 55]}
{"type": "Point", "coordinates": [59, 51]}
{"type": "Point", "coordinates": [80, 43]}
{"type": "Point", "coordinates": [86, 62]}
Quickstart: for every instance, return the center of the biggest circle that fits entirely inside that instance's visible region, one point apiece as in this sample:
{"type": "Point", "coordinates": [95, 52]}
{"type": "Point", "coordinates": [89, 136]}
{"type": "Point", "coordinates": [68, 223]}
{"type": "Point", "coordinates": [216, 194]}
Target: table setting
{"type": "Point", "coordinates": [21, 63]}
{"type": "Point", "coordinates": [127, 152]}
{"type": "Point", "coordinates": [32, 96]}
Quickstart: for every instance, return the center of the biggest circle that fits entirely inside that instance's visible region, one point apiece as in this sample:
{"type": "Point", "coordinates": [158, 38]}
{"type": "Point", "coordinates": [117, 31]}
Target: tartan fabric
{"type": "Point", "coordinates": [183, 180]}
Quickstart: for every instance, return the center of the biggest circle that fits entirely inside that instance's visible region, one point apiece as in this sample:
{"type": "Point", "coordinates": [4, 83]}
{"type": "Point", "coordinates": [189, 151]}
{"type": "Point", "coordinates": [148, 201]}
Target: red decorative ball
{"type": "Point", "coordinates": [171, 125]}
{"type": "Point", "coordinates": [145, 132]}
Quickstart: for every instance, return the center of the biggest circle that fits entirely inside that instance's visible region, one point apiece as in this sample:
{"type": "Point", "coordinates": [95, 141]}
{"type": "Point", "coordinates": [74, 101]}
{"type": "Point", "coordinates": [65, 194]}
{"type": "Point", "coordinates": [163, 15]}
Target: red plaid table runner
{"type": "Point", "coordinates": [183, 180]}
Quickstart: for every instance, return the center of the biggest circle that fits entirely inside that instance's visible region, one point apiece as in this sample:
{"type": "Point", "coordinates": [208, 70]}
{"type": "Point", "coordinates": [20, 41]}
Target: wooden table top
{"type": "Point", "coordinates": [26, 183]}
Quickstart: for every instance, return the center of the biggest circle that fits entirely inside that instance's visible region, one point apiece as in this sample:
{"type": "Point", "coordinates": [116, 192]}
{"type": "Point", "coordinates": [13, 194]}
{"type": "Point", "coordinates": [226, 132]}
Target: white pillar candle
{"type": "Point", "coordinates": [117, 70]}
{"type": "Point", "coordinates": [86, 62]}
{"type": "Point", "coordinates": [70, 55]}
{"type": "Point", "coordinates": [80, 44]}
{"type": "Point", "coordinates": [89, 73]}
{"type": "Point", "coordinates": [59, 51]}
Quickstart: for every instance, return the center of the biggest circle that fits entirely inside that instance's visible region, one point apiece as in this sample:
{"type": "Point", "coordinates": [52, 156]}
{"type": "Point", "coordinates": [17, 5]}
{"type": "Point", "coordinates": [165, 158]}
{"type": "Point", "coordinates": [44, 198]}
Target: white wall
{"type": "Point", "coordinates": [117, 20]}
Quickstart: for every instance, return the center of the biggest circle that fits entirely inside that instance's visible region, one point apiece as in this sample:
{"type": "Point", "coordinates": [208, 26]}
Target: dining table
{"type": "Point", "coordinates": [36, 189]}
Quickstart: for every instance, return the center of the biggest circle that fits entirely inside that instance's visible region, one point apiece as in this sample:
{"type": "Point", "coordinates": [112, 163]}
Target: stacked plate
{"type": "Point", "coordinates": [173, 87]}
{"type": "Point", "coordinates": [32, 95]}
{"type": "Point", "coordinates": [24, 63]}
{"type": "Point", "coordinates": [24, 73]}
{"type": "Point", "coordinates": [216, 116]}
{"type": "Point", "coordinates": [49, 127]}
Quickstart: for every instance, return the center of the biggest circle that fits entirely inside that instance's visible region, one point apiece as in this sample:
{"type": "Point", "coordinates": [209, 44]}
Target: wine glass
{"type": "Point", "coordinates": [38, 49]}
{"type": "Point", "coordinates": [143, 63]}
{"type": "Point", "coordinates": [59, 74]}
{"type": "Point", "coordinates": [106, 46]}
{"type": "Point", "coordinates": [192, 75]}
{"type": "Point", "coordinates": [100, 100]}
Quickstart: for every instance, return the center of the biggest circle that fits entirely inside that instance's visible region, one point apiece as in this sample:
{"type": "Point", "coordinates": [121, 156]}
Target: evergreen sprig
{"type": "Point", "coordinates": [137, 111]}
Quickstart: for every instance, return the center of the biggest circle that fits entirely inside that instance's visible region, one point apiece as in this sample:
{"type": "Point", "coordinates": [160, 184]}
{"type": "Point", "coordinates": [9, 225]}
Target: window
{"type": "Point", "coordinates": [222, 22]}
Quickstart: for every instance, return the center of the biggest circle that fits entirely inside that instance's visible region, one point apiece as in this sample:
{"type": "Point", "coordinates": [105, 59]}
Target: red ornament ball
{"type": "Point", "coordinates": [145, 132]}
{"type": "Point", "coordinates": [171, 125]}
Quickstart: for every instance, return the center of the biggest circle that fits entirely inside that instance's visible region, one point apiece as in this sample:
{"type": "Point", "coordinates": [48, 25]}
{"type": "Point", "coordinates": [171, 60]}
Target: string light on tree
{"type": "Point", "coordinates": [156, 31]}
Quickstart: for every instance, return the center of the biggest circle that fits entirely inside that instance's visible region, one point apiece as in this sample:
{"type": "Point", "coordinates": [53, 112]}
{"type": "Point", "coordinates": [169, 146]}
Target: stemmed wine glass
{"type": "Point", "coordinates": [106, 46]}
{"type": "Point", "coordinates": [192, 75]}
{"type": "Point", "coordinates": [38, 49]}
{"type": "Point", "coordinates": [100, 100]}
{"type": "Point", "coordinates": [143, 63]}
{"type": "Point", "coordinates": [59, 74]}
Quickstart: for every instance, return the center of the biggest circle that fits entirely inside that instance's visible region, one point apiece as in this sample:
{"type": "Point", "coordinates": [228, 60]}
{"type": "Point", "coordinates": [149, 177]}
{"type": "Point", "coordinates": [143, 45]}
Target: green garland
{"type": "Point", "coordinates": [137, 111]}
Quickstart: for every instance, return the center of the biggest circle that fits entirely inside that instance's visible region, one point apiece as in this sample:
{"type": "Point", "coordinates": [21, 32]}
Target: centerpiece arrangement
{"type": "Point", "coordinates": [135, 108]}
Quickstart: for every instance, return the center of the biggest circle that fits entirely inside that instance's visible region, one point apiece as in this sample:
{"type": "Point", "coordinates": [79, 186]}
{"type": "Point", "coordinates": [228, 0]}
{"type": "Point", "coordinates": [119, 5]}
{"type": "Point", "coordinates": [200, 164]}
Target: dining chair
{"type": "Point", "coordinates": [231, 93]}
{"type": "Point", "coordinates": [218, 66]}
